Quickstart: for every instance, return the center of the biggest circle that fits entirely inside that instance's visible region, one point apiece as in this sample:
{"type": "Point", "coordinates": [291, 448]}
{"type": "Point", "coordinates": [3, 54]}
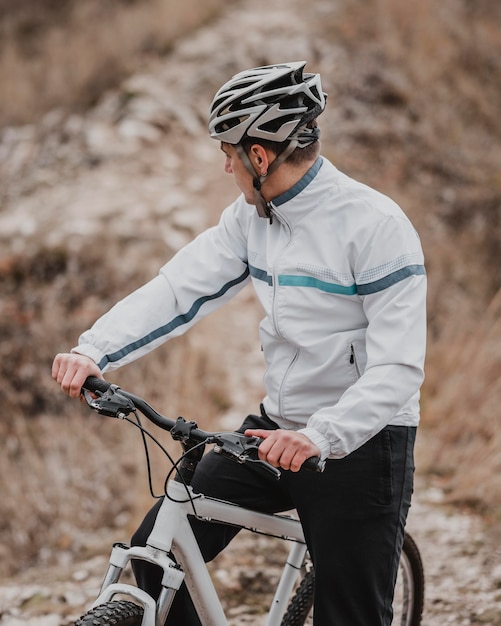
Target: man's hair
{"type": "Point", "coordinates": [296, 157]}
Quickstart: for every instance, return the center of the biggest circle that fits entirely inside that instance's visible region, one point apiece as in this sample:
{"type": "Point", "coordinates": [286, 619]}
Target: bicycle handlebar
{"type": "Point", "coordinates": [116, 402]}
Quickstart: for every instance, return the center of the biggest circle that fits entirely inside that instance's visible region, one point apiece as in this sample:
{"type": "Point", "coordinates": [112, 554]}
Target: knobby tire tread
{"type": "Point", "coordinates": [301, 603]}
{"type": "Point", "coordinates": [116, 613]}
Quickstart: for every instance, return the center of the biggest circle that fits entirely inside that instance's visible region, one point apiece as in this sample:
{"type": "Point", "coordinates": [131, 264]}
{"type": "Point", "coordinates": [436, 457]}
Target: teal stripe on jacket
{"type": "Point", "coordinates": [292, 280]}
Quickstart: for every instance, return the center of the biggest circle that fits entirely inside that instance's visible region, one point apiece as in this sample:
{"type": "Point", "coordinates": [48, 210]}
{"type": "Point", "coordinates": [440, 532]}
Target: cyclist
{"type": "Point", "coordinates": [339, 271]}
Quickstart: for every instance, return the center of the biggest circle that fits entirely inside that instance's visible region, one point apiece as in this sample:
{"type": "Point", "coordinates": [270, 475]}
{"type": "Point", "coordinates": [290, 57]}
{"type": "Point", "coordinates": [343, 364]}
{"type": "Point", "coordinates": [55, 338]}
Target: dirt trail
{"type": "Point", "coordinates": [145, 165]}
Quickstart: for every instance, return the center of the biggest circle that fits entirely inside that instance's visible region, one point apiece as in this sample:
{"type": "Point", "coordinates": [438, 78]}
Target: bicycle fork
{"type": "Point", "coordinates": [155, 611]}
{"type": "Point", "coordinates": [157, 552]}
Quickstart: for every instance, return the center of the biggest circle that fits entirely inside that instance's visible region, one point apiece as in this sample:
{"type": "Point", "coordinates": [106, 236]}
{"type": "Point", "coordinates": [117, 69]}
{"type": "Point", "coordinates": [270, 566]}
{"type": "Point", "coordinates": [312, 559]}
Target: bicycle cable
{"type": "Point", "coordinates": [175, 464]}
{"type": "Point", "coordinates": [144, 434]}
{"type": "Point", "coordinates": [174, 467]}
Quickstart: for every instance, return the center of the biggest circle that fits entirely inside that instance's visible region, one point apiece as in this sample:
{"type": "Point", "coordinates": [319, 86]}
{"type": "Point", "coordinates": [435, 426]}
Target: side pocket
{"type": "Point", "coordinates": [354, 360]}
{"type": "Point", "coordinates": [387, 467]}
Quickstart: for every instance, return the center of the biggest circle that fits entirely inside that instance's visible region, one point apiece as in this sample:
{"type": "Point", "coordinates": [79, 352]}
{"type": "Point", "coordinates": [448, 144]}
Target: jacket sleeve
{"type": "Point", "coordinates": [198, 279]}
{"type": "Point", "coordinates": [391, 282]}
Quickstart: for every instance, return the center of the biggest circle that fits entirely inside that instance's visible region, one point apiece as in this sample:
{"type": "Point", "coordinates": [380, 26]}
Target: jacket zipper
{"type": "Point", "coordinates": [286, 224]}
{"type": "Point", "coordinates": [277, 258]}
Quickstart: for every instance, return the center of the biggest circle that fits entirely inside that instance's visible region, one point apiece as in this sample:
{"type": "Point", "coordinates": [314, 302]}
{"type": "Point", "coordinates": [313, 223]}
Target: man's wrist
{"type": "Point", "coordinates": [318, 439]}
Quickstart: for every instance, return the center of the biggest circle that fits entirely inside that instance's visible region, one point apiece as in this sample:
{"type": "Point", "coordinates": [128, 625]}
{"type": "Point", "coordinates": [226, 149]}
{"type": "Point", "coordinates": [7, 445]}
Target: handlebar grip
{"type": "Point", "coordinates": [315, 464]}
{"type": "Point", "coordinates": [92, 383]}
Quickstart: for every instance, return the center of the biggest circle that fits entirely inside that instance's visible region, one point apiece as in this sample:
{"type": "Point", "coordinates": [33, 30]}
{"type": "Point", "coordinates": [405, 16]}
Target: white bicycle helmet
{"type": "Point", "coordinates": [273, 103]}
{"type": "Point", "coordinates": [270, 102]}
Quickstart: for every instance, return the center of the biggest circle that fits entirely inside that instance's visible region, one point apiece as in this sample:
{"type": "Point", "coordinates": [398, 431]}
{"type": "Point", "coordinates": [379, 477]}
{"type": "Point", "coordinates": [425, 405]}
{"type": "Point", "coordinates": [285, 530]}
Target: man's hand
{"type": "Point", "coordinates": [287, 449]}
{"type": "Point", "coordinates": [70, 371]}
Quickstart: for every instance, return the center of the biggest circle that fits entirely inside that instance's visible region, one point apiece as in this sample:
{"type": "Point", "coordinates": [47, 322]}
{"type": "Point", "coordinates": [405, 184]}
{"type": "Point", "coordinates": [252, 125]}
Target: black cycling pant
{"type": "Point", "coordinates": [353, 516]}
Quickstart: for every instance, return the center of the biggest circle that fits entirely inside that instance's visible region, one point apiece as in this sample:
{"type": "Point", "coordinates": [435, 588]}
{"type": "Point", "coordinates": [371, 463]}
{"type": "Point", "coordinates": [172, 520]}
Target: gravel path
{"type": "Point", "coordinates": [146, 157]}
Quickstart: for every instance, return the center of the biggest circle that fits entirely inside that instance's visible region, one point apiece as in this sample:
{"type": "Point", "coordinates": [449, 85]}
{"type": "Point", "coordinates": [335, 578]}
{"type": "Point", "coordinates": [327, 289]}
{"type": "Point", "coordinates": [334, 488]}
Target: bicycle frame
{"type": "Point", "coordinates": [172, 534]}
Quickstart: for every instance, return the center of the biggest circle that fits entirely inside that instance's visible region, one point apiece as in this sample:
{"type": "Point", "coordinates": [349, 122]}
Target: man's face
{"type": "Point", "coordinates": [233, 165]}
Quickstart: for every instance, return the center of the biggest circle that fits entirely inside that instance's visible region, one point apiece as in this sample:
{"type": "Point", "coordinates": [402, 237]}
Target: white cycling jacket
{"type": "Point", "coordinates": [340, 275]}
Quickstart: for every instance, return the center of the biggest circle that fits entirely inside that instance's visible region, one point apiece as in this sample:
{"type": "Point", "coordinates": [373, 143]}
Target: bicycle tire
{"type": "Point", "coordinates": [410, 553]}
{"type": "Point", "coordinates": [301, 603]}
{"type": "Point", "coordinates": [411, 573]}
{"type": "Point", "coordinates": [115, 613]}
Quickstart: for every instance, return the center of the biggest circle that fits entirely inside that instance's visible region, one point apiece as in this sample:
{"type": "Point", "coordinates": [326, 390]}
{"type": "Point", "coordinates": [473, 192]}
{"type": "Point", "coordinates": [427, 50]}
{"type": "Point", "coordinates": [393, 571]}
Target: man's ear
{"type": "Point", "coordinates": [259, 159]}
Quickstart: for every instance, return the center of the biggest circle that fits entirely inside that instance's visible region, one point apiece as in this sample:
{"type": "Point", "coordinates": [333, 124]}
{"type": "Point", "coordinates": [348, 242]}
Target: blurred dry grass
{"type": "Point", "coordinates": [63, 479]}
{"type": "Point", "coordinates": [462, 409]}
{"type": "Point", "coordinates": [100, 42]}
{"type": "Point", "coordinates": [431, 75]}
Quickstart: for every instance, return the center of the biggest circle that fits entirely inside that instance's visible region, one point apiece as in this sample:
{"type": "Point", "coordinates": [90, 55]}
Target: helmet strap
{"type": "Point", "coordinates": [264, 209]}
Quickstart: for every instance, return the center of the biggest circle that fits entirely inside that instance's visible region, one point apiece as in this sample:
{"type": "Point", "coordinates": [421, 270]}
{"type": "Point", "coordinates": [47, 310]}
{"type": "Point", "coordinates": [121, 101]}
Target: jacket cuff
{"type": "Point", "coordinates": [318, 439]}
{"type": "Point", "coordinates": [87, 350]}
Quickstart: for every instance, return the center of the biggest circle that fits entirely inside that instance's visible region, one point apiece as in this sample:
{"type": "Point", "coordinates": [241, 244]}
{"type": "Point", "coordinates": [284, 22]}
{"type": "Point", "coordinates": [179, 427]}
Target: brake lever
{"type": "Point", "coordinates": [243, 449]}
{"type": "Point", "coordinates": [274, 471]}
{"type": "Point", "coordinates": [252, 446]}
{"type": "Point", "coordinates": [110, 403]}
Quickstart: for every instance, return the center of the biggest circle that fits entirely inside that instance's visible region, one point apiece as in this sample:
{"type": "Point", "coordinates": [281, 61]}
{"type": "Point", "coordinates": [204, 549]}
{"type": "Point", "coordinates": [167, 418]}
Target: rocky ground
{"type": "Point", "coordinates": [140, 162]}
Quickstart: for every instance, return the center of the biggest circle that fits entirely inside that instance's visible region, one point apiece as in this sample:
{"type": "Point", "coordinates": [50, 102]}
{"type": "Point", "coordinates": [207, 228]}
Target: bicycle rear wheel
{"type": "Point", "coordinates": [407, 604]}
{"type": "Point", "coordinates": [116, 613]}
{"type": "Point", "coordinates": [409, 591]}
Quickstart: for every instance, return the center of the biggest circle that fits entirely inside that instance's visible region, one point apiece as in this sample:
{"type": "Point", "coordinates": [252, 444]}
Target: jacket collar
{"type": "Point", "coordinates": [300, 185]}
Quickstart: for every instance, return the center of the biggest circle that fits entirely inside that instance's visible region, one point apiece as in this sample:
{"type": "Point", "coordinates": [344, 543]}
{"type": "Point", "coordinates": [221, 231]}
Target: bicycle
{"type": "Point", "coordinates": [172, 545]}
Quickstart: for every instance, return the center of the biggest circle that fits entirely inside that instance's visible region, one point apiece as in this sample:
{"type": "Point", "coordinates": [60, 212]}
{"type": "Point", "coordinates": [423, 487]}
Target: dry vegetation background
{"type": "Point", "coordinates": [430, 137]}
{"type": "Point", "coordinates": [64, 52]}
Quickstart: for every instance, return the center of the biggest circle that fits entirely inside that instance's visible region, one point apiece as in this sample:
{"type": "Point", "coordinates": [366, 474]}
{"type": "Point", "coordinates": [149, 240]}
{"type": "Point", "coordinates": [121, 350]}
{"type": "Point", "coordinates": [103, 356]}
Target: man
{"type": "Point", "coordinates": [339, 271]}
